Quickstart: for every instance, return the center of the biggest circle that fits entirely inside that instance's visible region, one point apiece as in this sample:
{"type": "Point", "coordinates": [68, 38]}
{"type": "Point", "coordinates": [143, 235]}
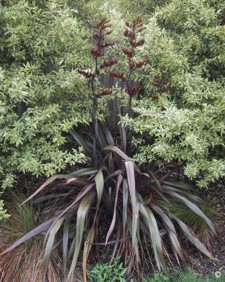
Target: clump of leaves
{"type": "Point", "coordinates": [111, 201]}
{"type": "Point", "coordinates": [105, 272]}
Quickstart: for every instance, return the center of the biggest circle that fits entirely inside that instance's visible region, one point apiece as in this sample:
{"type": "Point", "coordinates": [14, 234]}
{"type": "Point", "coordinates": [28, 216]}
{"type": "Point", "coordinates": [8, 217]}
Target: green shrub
{"type": "Point", "coordinates": [180, 117]}
{"type": "Point", "coordinates": [39, 88]}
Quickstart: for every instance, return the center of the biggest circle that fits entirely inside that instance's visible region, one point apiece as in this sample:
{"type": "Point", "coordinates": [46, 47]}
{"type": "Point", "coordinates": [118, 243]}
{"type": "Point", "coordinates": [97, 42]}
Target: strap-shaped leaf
{"type": "Point", "coordinates": [87, 248]}
{"type": "Point", "coordinates": [118, 184]}
{"type": "Point", "coordinates": [118, 151]}
{"type": "Point", "coordinates": [194, 208]}
{"type": "Point", "coordinates": [125, 204]}
{"type": "Point", "coordinates": [80, 140]}
{"type": "Point", "coordinates": [65, 242]}
{"type": "Point", "coordinates": [50, 241]}
{"type": "Point", "coordinates": [37, 230]}
{"type": "Point", "coordinates": [107, 133]}
{"type": "Point", "coordinates": [153, 229]}
{"type": "Point", "coordinates": [80, 221]}
{"type": "Point", "coordinates": [194, 240]}
{"type": "Point", "coordinates": [132, 189]}
{"type": "Point", "coordinates": [84, 172]}
{"type": "Point", "coordinates": [171, 230]}
{"type": "Point", "coordinates": [99, 182]}
{"type": "Point", "coordinates": [46, 183]}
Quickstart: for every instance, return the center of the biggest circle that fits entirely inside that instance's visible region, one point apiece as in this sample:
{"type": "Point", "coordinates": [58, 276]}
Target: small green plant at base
{"type": "Point", "coordinates": [105, 272]}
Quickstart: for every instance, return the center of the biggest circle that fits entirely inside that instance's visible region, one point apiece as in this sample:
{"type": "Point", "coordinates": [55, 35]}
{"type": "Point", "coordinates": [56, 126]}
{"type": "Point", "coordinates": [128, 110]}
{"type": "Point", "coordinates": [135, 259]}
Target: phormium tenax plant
{"type": "Point", "coordinates": [111, 203]}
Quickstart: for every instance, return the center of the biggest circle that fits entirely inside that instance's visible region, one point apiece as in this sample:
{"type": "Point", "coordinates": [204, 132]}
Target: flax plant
{"type": "Point", "coordinates": [111, 202]}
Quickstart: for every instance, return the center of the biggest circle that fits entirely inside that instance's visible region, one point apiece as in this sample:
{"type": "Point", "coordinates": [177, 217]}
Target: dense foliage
{"type": "Point", "coordinates": [181, 117]}
{"type": "Point", "coordinates": [41, 46]}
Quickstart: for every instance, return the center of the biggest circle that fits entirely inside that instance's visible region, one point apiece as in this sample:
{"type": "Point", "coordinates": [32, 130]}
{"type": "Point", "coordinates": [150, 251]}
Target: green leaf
{"type": "Point", "coordinates": [50, 240]}
{"type": "Point", "coordinates": [135, 209]}
{"type": "Point", "coordinates": [46, 183]}
{"type": "Point", "coordinates": [194, 240]}
{"type": "Point", "coordinates": [112, 225]}
{"type": "Point", "coordinates": [118, 151]}
{"type": "Point", "coordinates": [80, 221]}
{"type": "Point", "coordinates": [99, 182]}
{"type": "Point", "coordinates": [80, 140]}
{"type": "Point", "coordinates": [156, 241]}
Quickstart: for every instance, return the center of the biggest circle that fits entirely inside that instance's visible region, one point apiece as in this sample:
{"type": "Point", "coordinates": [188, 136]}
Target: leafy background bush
{"type": "Point", "coordinates": [183, 107]}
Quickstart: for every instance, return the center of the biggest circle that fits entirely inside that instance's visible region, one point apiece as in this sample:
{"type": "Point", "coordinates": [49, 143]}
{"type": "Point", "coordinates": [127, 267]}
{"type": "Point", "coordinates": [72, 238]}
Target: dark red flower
{"type": "Point", "coordinates": [97, 35]}
{"type": "Point", "coordinates": [96, 52]}
{"type": "Point", "coordinates": [137, 64]}
{"type": "Point", "coordinates": [129, 33]}
{"type": "Point", "coordinates": [128, 51]}
{"type": "Point", "coordinates": [140, 63]}
{"type": "Point", "coordinates": [106, 44]}
{"type": "Point", "coordinates": [117, 74]}
{"type": "Point", "coordinates": [85, 73]}
{"type": "Point", "coordinates": [133, 90]}
{"type": "Point", "coordinates": [140, 42]}
{"type": "Point", "coordinates": [132, 64]}
{"type": "Point", "coordinates": [108, 63]}
{"type": "Point", "coordinates": [104, 23]}
{"type": "Point", "coordinates": [154, 97]}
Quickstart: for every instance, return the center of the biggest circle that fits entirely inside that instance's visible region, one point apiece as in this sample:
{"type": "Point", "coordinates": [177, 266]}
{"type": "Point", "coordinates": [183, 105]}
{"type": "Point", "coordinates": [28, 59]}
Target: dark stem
{"type": "Point", "coordinates": [128, 86]}
{"type": "Point", "coordinates": [94, 118]}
